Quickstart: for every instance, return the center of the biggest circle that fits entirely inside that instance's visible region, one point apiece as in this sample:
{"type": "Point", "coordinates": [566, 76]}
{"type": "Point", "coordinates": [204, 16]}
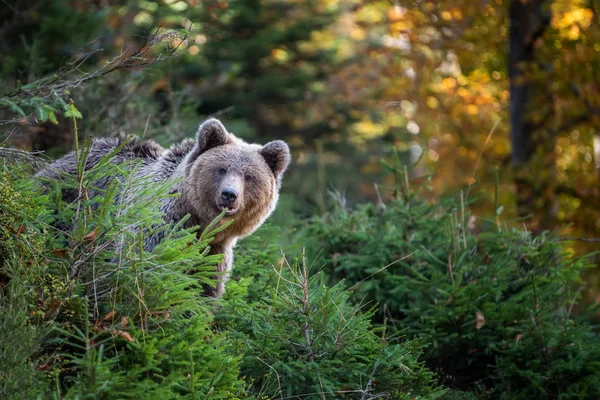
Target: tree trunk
{"type": "Point", "coordinates": [532, 151]}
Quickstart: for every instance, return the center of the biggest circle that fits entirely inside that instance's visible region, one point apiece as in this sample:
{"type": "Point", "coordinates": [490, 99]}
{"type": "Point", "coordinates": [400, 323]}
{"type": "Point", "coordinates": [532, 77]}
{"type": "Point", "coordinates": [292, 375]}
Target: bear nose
{"type": "Point", "coordinates": [229, 195]}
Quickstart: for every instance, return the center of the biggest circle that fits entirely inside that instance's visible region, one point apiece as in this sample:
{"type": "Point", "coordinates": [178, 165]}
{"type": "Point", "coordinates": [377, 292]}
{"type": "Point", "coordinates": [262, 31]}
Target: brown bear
{"type": "Point", "coordinates": [219, 172]}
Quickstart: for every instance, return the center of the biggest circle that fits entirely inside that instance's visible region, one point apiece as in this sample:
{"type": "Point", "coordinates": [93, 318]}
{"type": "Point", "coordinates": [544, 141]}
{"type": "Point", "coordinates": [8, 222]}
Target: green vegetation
{"type": "Point", "coordinates": [431, 310]}
{"type": "Point", "coordinates": [496, 308]}
{"type": "Point", "coordinates": [93, 315]}
{"type": "Point", "coordinates": [449, 280]}
{"type": "Point", "coordinates": [98, 316]}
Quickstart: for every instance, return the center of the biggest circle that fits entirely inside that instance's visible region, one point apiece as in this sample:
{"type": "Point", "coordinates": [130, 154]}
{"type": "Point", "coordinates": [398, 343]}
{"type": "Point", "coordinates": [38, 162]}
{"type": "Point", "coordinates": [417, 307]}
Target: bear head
{"type": "Point", "coordinates": [224, 173]}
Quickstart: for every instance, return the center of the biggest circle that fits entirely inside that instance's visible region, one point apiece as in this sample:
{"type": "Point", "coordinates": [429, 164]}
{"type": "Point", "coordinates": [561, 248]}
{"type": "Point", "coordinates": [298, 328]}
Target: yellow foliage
{"type": "Point", "coordinates": [448, 84]}
{"type": "Point", "coordinates": [464, 93]}
{"type": "Point", "coordinates": [396, 13]}
{"type": "Point", "coordinates": [370, 14]}
{"type": "Point", "coordinates": [345, 50]}
{"type": "Point", "coordinates": [433, 155]}
{"type": "Point", "coordinates": [395, 119]}
{"type": "Point", "coordinates": [569, 20]}
{"type": "Point", "coordinates": [280, 54]}
{"type": "Point", "coordinates": [320, 40]}
{"type": "Point", "coordinates": [457, 14]}
{"type": "Point", "coordinates": [330, 5]}
{"type": "Point", "coordinates": [446, 15]}
{"type": "Point", "coordinates": [366, 130]}
{"type": "Point", "coordinates": [472, 109]}
{"type": "Point", "coordinates": [401, 26]}
{"type": "Point", "coordinates": [357, 33]}
{"type": "Point", "coordinates": [432, 102]}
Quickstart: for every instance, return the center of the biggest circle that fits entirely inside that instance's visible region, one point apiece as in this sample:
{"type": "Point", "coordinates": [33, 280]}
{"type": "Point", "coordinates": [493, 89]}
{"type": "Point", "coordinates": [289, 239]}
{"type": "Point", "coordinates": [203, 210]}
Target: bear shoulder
{"type": "Point", "coordinates": [135, 147]}
{"type": "Point", "coordinates": [178, 151]}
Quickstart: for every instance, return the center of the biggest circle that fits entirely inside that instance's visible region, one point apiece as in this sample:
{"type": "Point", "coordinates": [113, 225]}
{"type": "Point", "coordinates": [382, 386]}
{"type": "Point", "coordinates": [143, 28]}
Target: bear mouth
{"type": "Point", "coordinates": [229, 210]}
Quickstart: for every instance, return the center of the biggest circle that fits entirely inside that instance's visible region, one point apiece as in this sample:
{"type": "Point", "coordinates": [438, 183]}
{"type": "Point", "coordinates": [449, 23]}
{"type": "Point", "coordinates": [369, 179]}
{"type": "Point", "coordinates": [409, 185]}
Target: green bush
{"type": "Point", "coordinates": [87, 312]}
{"type": "Point", "coordinates": [302, 338]}
{"type": "Point", "coordinates": [21, 271]}
{"type": "Point", "coordinates": [95, 315]}
{"type": "Point", "coordinates": [98, 316]}
{"type": "Point", "coordinates": [495, 307]}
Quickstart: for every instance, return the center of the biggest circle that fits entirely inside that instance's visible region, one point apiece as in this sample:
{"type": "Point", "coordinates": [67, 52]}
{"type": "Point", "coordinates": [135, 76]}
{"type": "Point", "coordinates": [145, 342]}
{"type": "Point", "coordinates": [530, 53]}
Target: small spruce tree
{"type": "Point", "coordinates": [305, 339]}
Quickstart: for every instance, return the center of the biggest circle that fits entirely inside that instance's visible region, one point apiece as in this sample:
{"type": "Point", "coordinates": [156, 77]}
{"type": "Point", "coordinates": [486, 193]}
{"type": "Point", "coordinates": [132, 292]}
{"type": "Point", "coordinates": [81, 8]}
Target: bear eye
{"type": "Point", "coordinates": [248, 178]}
{"type": "Point", "coordinates": [222, 171]}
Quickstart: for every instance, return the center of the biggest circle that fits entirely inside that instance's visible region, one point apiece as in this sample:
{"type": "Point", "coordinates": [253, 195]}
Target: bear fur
{"type": "Point", "coordinates": [219, 172]}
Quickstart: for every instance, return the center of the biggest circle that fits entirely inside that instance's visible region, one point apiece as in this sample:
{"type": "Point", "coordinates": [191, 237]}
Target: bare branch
{"type": "Point", "coordinates": [577, 239]}
{"type": "Point", "coordinates": [36, 159]}
{"type": "Point", "coordinates": [60, 83]}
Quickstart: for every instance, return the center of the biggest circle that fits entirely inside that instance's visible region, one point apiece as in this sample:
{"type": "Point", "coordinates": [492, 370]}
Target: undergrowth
{"type": "Point", "coordinates": [88, 312]}
{"type": "Point", "coordinates": [496, 307]}
{"type": "Point", "coordinates": [397, 300]}
{"type": "Point", "coordinates": [99, 315]}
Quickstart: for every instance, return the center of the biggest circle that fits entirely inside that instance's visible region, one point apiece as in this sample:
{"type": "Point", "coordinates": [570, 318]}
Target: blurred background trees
{"type": "Point", "coordinates": [497, 99]}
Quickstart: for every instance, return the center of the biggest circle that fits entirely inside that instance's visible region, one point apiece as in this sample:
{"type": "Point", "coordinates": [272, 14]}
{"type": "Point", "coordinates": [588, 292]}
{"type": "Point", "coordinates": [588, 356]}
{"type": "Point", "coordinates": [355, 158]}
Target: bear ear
{"type": "Point", "coordinates": [210, 134]}
{"type": "Point", "coordinates": [277, 155]}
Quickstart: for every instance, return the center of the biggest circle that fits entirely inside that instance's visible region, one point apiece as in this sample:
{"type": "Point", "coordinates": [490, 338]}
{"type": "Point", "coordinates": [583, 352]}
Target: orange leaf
{"type": "Point", "coordinates": [60, 252]}
{"type": "Point", "coordinates": [91, 236]}
{"type": "Point", "coordinates": [110, 316]}
{"type": "Point", "coordinates": [122, 334]}
{"type": "Point", "coordinates": [124, 321]}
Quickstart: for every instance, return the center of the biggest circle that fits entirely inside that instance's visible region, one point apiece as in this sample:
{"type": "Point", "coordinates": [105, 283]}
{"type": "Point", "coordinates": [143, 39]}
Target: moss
{"type": "Point", "coordinates": [8, 218]}
{"type": "Point", "coordinates": [19, 209]}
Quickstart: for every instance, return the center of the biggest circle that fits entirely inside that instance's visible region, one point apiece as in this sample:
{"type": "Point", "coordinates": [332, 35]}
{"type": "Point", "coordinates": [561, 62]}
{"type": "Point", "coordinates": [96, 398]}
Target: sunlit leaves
{"type": "Point", "coordinates": [570, 18]}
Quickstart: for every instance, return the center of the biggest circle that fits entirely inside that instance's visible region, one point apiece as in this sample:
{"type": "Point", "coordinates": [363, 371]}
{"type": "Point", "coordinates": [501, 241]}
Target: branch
{"type": "Point", "coordinates": [544, 23]}
{"type": "Point", "coordinates": [567, 126]}
{"type": "Point", "coordinates": [579, 94]}
{"type": "Point", "coordinates": [61, 82]}
{"type": "Point", "coordinates": [306, 311]}
{"type": "Point", "coordinates": [577, 239]}
{"type": "Point", "coordinates": [571, 191]}
{"type": "Point", "coordinates": [543, 121]}
{"type": "Point", "coordinates": [368, 388]}
{"type": "Point", "coordinates": [35, 159]}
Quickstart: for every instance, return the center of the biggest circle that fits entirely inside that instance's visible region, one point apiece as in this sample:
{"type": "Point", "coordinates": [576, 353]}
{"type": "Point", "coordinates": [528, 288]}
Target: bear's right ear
{"type": "Point", "coordinates": [210, 134]}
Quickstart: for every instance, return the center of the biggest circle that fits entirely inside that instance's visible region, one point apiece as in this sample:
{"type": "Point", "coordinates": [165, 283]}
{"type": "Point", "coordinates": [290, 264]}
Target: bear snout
{"type": "Point", "coordinates": [228, 200]}
{"type": "Point", "coordinates": [229, 195]}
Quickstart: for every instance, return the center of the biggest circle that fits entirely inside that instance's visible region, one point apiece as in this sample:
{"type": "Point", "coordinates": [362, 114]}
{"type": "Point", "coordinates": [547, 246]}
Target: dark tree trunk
{"type": "Point", "coordinates": [532, 152]}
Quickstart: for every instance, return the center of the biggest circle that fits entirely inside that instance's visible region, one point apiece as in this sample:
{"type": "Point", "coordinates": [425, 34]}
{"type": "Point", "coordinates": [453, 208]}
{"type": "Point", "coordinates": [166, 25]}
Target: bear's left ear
{"type": "Point", "coordinates": [210, 134]}
{"type": "Point", "coordinates": [277, 155]}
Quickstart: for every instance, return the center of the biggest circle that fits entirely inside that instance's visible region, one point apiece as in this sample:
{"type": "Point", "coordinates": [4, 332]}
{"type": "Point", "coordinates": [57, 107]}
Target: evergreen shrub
{"type": "Point", "coordinates": [97, 314]}
{"type": "Point", "coordinates": [88, 312]}
{"type": "Point", "coordinates": [497, 308]}
{"type": "Point", "coordinates": [93, 314]}
{"type": "Point", "coordinates": [303, 339]}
